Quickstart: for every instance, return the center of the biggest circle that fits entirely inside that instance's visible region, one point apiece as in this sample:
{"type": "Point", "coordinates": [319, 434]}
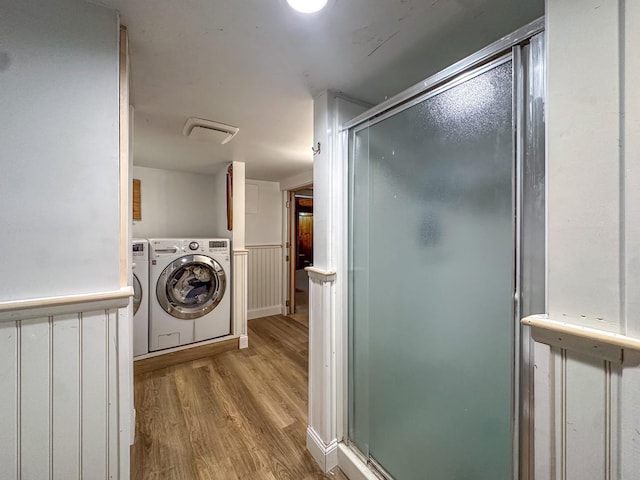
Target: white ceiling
{"type": "Point", "coordinates": [256, 64]}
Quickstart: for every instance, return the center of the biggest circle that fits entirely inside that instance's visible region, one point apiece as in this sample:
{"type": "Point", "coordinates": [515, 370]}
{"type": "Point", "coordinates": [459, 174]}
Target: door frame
{"type": "Point", "coordinates": [291, 248]}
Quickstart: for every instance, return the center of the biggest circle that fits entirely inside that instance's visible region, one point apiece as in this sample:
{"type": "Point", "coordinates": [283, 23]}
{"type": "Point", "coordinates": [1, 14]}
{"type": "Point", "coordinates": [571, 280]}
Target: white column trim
{"type": "Point", "coordinates": [239, 297]}
{"type": "Point", "coordinates": [322, 431]}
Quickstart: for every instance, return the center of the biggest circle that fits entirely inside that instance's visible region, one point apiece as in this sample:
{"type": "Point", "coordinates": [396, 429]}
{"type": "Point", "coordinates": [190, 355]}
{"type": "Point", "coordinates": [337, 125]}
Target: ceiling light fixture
{"type": "Point", "coordinates": [202, 129]}
{"type": "Point", "coordinates": [307, 6]}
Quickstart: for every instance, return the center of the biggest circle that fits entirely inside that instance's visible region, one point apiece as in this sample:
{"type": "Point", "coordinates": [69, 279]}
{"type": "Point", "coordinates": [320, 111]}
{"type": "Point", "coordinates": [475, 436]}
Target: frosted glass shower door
{"type": "Point", "coordinates": [431, 283]}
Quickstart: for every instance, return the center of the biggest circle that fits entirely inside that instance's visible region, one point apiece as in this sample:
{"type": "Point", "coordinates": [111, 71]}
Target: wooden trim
{"type": "Point", "coordinates": [573, 337]}
{"type": "Point", "coordinates": [240, 251]}
{"type": "Point", "coordinates": [230, 197]}
{"type": "Point", "coordinates": [43, 307]}
{"type": "Point", "coordinates": [266, 245]}
{"type": "Point", "coordinates": [124, 157]}
{"type": "Point", "coordinates": [175, 357]}
{"type": "Point", "coordinates": [137, 200]}
{"type": "Point", "coordinates": [290, 303]}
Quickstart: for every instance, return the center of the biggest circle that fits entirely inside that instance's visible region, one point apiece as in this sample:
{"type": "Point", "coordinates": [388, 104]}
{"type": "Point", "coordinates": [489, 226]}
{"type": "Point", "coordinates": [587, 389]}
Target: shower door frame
{"type": "Point", "coordinates": [509, 48]}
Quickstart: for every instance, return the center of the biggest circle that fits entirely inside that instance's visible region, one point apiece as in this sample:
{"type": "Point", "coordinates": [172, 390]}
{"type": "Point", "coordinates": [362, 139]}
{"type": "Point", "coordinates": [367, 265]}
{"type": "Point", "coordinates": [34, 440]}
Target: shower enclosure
{"type": "Point", "coordinates": [446, 253]}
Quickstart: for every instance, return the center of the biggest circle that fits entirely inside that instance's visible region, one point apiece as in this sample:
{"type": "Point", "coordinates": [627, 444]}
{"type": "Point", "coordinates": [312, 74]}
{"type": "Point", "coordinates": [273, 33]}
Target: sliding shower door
{"type": "Point", "coordinates": [432, 249]}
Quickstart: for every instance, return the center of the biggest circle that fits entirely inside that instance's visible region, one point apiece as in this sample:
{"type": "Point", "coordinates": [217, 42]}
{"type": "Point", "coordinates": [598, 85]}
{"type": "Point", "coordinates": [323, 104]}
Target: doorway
{"type": "Point", "coordinates": [300, 252]}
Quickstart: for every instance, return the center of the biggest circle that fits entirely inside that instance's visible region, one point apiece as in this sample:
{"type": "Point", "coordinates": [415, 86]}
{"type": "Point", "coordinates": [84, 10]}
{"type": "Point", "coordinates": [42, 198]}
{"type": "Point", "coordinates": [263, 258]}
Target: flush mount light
{"type": "Point", "coordinates": [307, 6]}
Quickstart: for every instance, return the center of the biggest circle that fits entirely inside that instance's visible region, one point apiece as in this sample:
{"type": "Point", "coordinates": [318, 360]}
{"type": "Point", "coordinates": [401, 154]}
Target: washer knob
{"type": "Point", "coordinates": [194, 245]}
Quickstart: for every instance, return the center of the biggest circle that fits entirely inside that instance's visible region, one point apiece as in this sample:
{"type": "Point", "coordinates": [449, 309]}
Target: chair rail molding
{"type": "Point", "coordinates": [264, 280]}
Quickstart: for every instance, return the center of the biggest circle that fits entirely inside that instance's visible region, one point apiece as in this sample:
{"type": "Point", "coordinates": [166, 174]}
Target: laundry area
{"type": "Point", "coordinates": [187, 229]}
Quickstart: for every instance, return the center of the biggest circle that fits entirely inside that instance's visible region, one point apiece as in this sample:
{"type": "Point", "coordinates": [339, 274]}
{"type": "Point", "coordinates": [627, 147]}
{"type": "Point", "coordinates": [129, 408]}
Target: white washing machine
{"type": "Point", "coordinates": [140, 263]}
{"type": "Point", "coordinates": [191, 301]}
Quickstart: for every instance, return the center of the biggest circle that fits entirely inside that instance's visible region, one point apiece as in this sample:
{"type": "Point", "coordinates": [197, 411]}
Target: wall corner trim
{"type": "Point", "coordinates": [13, 310]}
{"type": "Point", "coordinates": [325, 454]}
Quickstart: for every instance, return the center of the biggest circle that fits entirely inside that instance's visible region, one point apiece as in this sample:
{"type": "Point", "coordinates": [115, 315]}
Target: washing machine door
{"type": "Point", "coordinates": [191, 286]}
{"type": "Point", "coordinates": [137, 294]}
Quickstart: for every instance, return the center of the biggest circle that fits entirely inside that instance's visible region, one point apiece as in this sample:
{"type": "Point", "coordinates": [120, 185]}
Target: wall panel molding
{"type": "Point", "coordinates": [584, 415]}
{"type": "Point", "coordinates": [59, 388]}
{"type": "Point", "coordinates": [264, 279]}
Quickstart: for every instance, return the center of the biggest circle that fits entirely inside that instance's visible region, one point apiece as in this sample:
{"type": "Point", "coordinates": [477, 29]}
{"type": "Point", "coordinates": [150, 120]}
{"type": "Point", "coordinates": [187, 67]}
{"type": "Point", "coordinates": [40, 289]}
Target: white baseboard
{"type": "Point", "coordinates": [352, 466]}
{"type": "Point", "coordinates": [243, 342]}
{"type": "Point", "coordinates": [325, 455]}
{"type": "Point", "coordinates": [264, 312]}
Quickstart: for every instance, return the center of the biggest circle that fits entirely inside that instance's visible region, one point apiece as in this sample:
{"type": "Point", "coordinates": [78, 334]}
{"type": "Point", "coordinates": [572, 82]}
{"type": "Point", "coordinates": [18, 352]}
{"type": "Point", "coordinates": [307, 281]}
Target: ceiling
{"type": "Point", "coordinates": [256, 64]}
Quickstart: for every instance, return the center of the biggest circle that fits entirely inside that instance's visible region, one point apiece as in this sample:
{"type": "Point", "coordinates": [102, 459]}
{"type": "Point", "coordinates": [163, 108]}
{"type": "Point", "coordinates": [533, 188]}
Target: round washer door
{"type": "Point", "coordinates": [191, 286]}
{"type": "Point", "coordinates": [137, 294]}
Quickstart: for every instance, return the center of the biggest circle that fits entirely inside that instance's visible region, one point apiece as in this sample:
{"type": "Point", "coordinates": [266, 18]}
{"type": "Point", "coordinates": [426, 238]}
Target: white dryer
{"type": "Point", "coordinates": [140, 263]}
{"type": "Point", "coordinates": [191, 279]}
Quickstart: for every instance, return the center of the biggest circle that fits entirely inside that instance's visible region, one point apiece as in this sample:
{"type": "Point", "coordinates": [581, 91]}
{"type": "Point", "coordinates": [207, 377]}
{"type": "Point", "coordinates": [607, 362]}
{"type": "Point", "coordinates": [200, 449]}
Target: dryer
{"type": "Point", "coordinates": [140, 264]}
{"type": "Point", "coordinates": [191, 280]}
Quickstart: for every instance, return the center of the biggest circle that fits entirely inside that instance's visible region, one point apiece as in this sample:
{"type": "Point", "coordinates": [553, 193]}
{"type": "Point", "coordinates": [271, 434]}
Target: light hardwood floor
{"type": "Point", "coordinates": [235, 414]}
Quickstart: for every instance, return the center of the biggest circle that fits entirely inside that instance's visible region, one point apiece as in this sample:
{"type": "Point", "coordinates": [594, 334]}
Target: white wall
{"type": "Point", "coordinates": [60, 384]}
{"type": "Point", "coordinates": [238, 234]}
{"type": "Point", "coordinates": [296, 181]}
{"type": "Point", "coordinates": [263, 220]}
{"type": "Point", "coordinates": [588, 422]}
{"type": "Point", "coordinates": [180, 204]}
{"type": "Point", "coordinates": [59, 115]}
{"type": "Point", "coordinates": [263, 237]}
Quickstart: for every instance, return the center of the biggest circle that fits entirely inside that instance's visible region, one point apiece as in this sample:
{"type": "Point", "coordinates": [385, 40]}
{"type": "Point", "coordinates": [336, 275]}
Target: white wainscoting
{"type": "Point", "coordinates": [264, 278]}
{"type": "Point", "coordinates": [587, 422]}
{"type": "Point", "coordinates": [59, 414]}
{"type": "Point", "coordinates": [239, 310]}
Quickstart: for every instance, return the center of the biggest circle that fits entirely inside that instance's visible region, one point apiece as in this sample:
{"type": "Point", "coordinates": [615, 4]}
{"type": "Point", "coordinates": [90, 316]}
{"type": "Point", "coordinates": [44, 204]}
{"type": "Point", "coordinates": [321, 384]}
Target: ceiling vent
{"type": "Point", "coordinates": [201, 129]}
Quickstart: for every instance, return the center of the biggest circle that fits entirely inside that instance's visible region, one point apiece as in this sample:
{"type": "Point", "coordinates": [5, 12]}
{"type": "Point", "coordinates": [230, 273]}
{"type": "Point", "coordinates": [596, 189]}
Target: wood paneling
{"type": "Point", "coordinates": [58, 387]}
{"type": "Point", "coordinates": [35, 398]}
{"type": "Point", "coordinates": [94, 400]}
{"type": "Point", "coordinates": [578, 429]}
{"type": "Point", "coordinates": [9, 399]}
{"type": "Point", "coordinates": [66, 386]}
{"type": "Point", "coordinates": [241, 414]}
{"type": "Point", "coordinates": [264, 280]}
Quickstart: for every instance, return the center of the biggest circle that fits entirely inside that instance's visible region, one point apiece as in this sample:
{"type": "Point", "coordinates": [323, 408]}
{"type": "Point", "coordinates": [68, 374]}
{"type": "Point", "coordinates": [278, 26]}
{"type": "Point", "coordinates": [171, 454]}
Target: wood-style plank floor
{"type": "Point", "coordinates": [239, 414]}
